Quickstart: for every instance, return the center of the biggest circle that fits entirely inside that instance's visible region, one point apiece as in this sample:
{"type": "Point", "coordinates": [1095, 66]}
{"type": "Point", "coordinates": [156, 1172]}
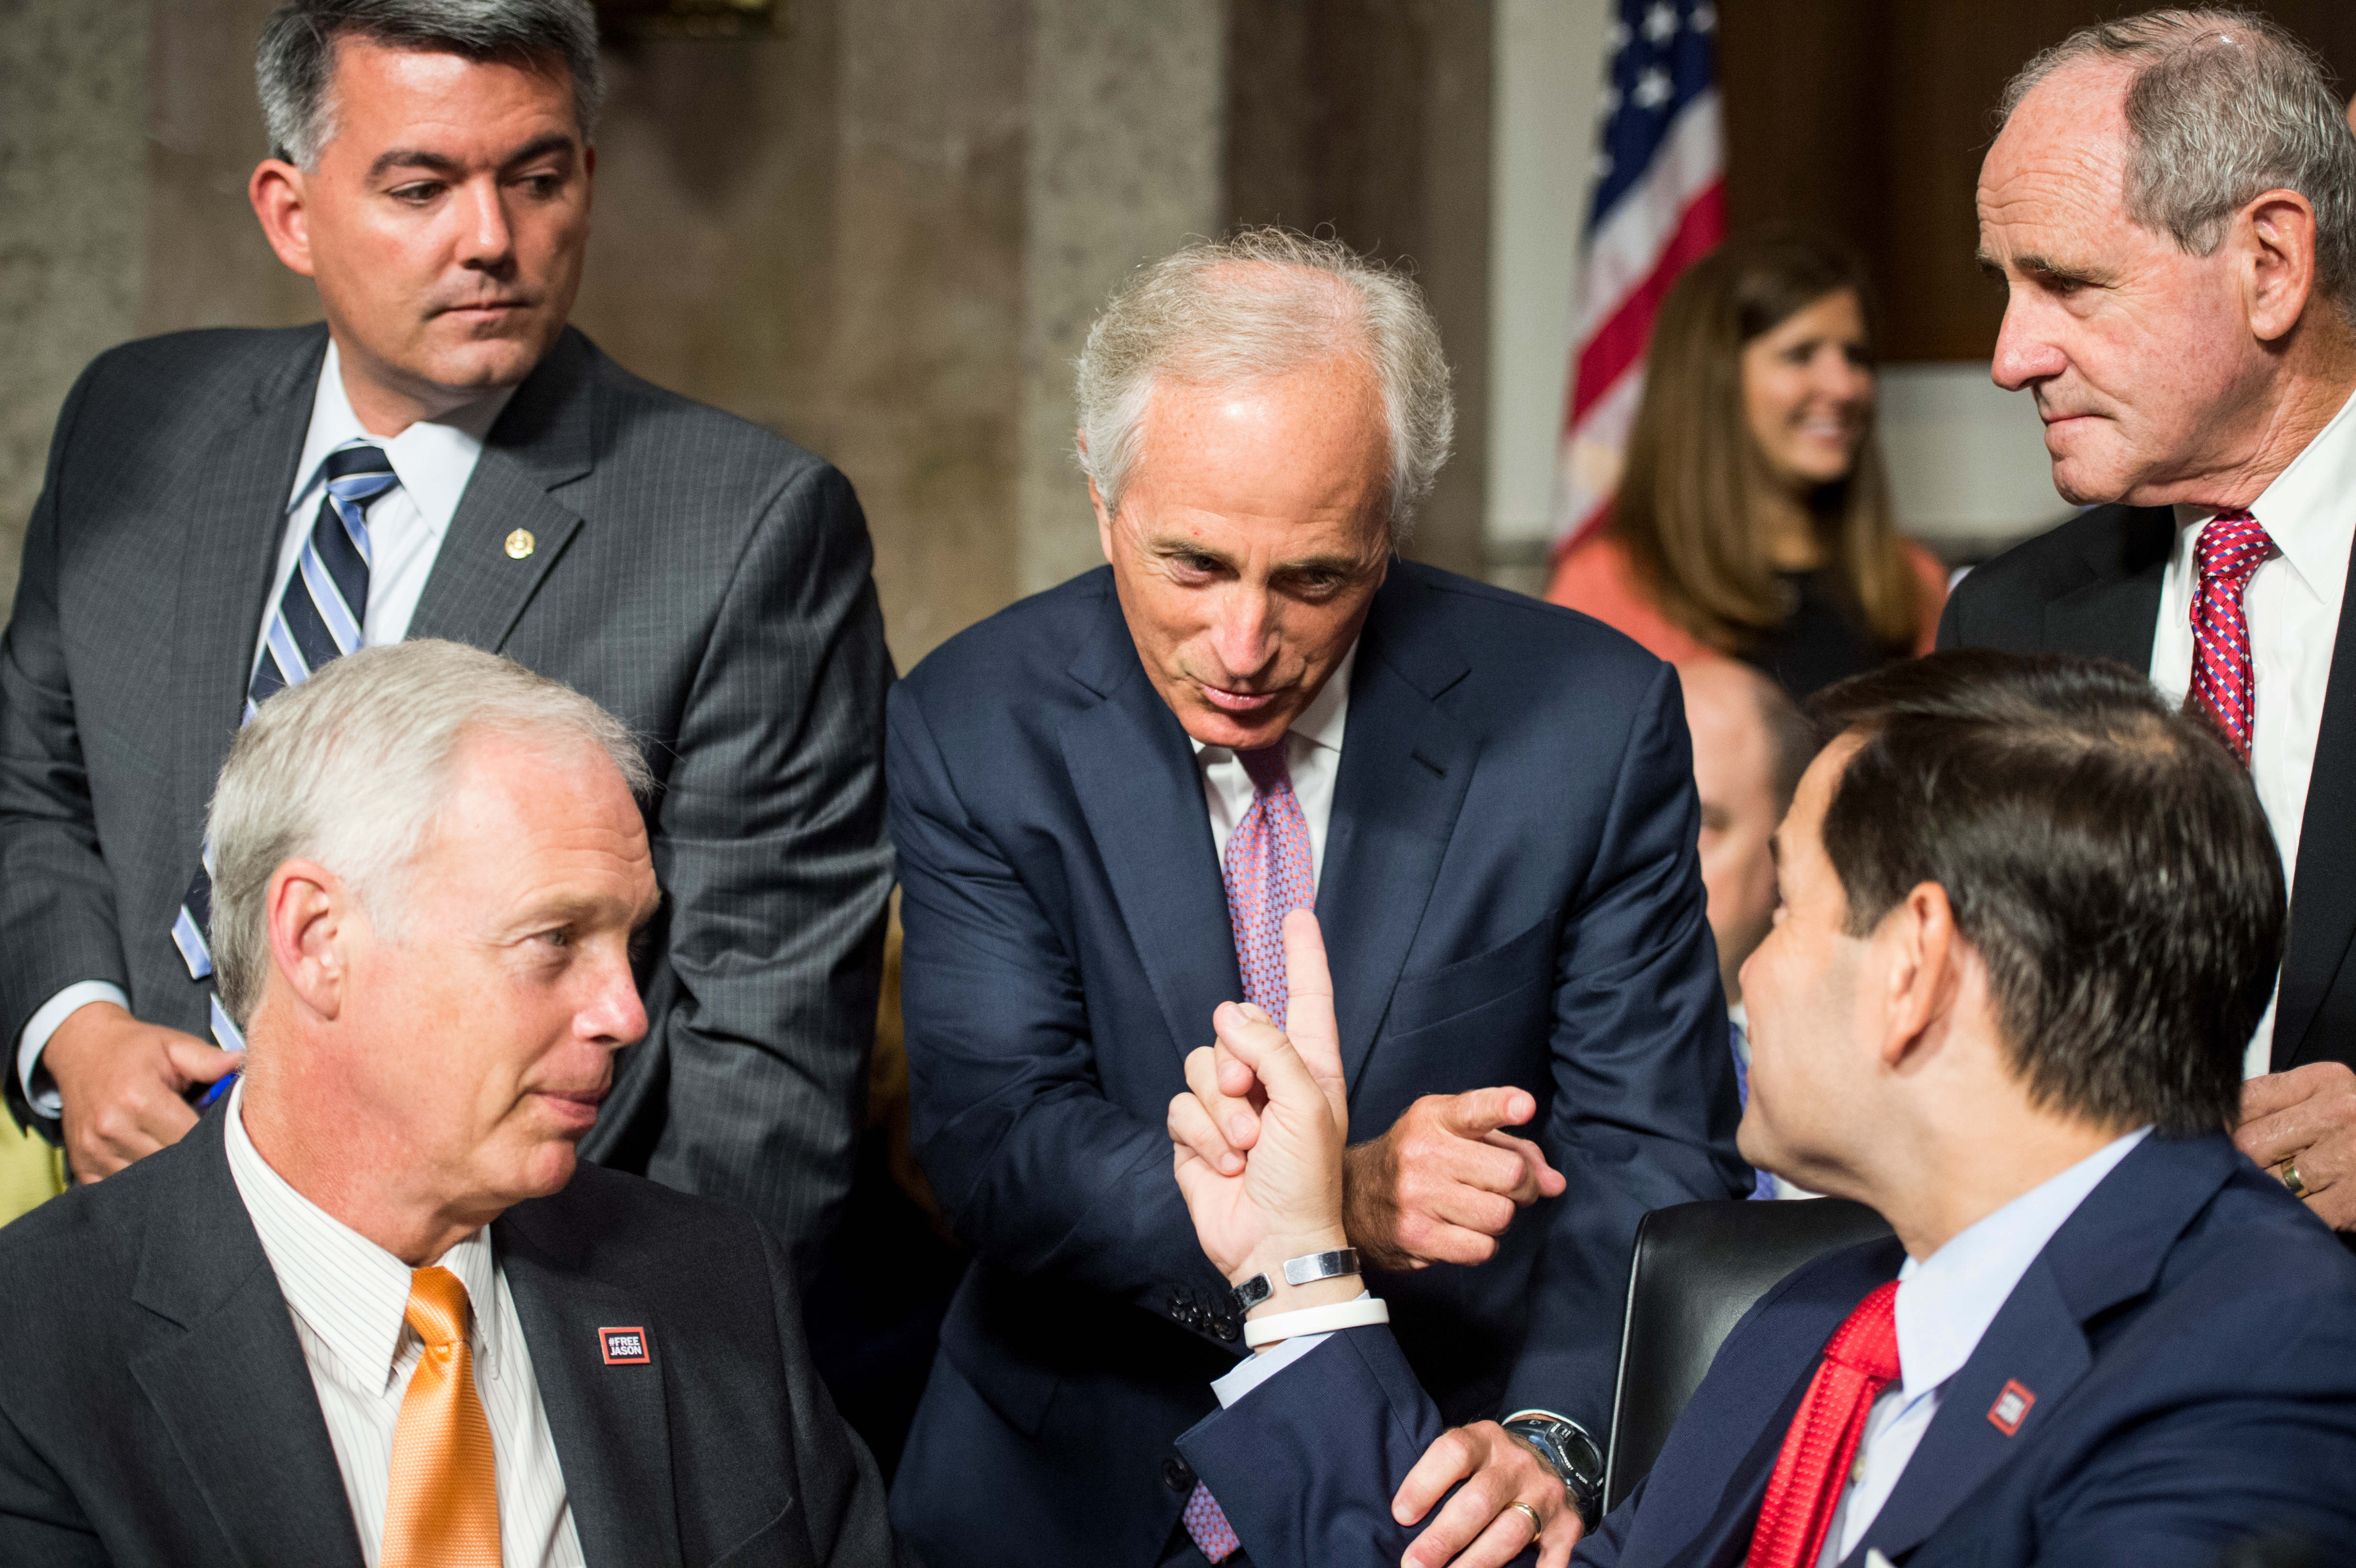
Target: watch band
{"type": "Point", "coordinates": [1569, 1452]}
{"type": "Point", "coordinates": [1310, 1268]}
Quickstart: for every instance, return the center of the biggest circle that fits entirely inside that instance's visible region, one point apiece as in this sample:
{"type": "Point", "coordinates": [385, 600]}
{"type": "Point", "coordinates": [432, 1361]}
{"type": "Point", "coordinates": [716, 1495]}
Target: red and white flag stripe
{"type": "Point", "coordinates": [1670, 218]}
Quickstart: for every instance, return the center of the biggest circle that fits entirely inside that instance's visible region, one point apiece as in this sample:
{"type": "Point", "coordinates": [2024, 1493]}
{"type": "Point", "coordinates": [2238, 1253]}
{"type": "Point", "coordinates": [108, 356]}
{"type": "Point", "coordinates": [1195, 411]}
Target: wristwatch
{"type": "Point", "coordinates": [1570, 1453]}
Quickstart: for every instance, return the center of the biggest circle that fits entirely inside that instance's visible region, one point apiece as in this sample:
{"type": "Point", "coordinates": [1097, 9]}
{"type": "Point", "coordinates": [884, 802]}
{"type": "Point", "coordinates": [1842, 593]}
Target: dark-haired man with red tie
{"type": "Point", "coordinates": [2171, 206]}
{"type": "Point", "coordinates": [2098, 1336]}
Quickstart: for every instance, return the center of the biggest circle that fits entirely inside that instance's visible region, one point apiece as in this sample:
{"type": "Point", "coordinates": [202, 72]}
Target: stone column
{"type": "Point", "coordinates": [1126, 104]}
{"type": "Point", "coordinates": [73, 217]}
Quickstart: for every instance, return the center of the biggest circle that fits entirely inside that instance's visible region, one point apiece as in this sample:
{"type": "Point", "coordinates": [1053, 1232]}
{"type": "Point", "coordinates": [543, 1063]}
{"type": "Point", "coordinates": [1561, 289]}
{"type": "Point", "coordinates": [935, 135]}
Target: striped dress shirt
{"type": "Point", "coordinates": [348, 1296]}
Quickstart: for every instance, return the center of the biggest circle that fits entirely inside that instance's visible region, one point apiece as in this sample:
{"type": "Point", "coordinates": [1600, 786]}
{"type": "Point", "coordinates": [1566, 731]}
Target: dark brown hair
{"type": "Point", "coordinates": [1684, 505]}
{"type": "Point", "coordinates": [2103, 853]}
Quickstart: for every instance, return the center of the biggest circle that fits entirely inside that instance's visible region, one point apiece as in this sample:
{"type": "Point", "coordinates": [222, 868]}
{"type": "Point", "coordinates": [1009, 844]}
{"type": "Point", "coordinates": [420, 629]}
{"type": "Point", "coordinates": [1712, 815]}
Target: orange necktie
{"type": "Point", "coordinates": [443, 1509]}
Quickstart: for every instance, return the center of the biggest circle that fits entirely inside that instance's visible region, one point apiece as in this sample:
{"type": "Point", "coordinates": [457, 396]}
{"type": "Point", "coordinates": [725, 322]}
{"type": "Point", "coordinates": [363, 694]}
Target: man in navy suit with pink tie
{"type": "Point", "coordinates": [1104, 801]}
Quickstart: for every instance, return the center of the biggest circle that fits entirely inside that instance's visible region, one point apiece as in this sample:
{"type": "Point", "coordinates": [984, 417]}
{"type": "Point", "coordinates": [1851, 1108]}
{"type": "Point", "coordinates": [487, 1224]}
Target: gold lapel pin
{"type": "Point", "coordinates": [519, 544]}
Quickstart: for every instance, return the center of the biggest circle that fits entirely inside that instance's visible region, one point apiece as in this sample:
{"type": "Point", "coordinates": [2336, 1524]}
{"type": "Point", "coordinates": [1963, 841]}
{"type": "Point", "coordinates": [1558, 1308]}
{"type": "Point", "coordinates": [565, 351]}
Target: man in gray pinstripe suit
{"type": "Point", "coordinates": [702, 579]}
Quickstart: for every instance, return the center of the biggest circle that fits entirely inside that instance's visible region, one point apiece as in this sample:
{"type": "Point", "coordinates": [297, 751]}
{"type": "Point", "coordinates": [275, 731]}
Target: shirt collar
{"type": "Point", "coordinates": [1321, 722]}
{"type": "Point", "coordinates": [2307, 509]}
{"type": "Point", "coordinates": [433, 458]}
{"type": "Point", "coordinates": [352, 1294]}
{"type": "Point", "coordinates": [1946, 1301]}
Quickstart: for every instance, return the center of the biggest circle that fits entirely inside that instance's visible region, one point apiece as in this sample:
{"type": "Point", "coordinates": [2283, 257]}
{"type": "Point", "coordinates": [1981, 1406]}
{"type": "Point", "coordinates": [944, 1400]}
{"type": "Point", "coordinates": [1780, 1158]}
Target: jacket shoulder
{"type": "Point", "coordinates": [1504, 631]}
{"type": "Point", "coordinates": [2102, 541]}
{"type": "Point", "coordinates": [633, 409]}
{"type": "Point", "coordinates": [1010, 657]}
{"type": "Point", "coordinates": [620, 1223]}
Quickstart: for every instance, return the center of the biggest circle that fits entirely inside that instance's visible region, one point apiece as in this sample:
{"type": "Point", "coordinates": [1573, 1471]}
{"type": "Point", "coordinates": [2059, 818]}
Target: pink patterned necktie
{"type": "Point", "coordinates": [2232, 547]}
{"type": "Point", "coordinates": [1268, 875]}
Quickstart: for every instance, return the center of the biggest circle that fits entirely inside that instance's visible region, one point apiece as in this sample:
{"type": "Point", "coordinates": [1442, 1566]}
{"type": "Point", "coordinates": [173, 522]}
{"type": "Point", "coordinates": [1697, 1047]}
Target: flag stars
{"type": "Point", "coordinates": [1652, 88]}
{"type": "Point", "coordinates": [1704, 18]}
{"type": "Point", "coordinates": [1615, 37]}
{"type": "Point", "coordinates": [1661, 22]}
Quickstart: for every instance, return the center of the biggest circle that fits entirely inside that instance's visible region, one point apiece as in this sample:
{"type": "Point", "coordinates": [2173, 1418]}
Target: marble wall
{"type": "Point", "coordinates": [883, 232]}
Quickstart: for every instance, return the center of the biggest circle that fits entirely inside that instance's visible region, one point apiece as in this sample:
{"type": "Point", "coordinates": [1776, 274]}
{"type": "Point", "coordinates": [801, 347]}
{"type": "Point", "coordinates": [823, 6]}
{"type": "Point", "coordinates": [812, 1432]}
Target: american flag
{"type": "Point", "coordinates": [1660, 204]}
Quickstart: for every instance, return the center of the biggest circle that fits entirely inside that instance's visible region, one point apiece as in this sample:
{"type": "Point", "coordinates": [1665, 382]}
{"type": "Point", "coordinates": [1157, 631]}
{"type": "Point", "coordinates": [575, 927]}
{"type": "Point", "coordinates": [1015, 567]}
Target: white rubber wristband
{"type": "Point", "coordinates": [1258, 1332]}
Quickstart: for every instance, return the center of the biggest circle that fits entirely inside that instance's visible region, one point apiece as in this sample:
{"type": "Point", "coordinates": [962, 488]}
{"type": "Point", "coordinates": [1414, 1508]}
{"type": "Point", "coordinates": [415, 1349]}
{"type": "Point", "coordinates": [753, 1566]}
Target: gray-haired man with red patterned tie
{"type": "Point", "coordinates": [2171, 206]}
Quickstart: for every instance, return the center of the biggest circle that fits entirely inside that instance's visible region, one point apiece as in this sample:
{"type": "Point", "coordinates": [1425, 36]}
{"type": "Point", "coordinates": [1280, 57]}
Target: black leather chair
{"type": "Point", "coordinates": [1699, 1268]}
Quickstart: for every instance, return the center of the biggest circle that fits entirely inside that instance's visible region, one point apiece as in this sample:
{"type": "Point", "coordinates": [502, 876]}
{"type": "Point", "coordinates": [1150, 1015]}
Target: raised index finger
{"type": "Point", "coordinates": [1309, 1002]}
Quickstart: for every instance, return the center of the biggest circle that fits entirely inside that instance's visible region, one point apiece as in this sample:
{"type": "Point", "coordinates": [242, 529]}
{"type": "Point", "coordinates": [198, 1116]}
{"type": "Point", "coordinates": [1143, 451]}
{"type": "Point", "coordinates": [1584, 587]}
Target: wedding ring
{"type": "Point", "coordinates": [1536, 1528]}
{"type": "Point", "coordinates": [2291, 1178]}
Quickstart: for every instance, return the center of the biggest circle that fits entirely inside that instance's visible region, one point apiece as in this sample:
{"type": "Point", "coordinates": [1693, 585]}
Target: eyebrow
{"type": "Point", "coordinates": [2037, 266]}
{"type": "Point", "coordinates": [443, 163]}
{"type": "Point", "coordinates": [1180, 545]}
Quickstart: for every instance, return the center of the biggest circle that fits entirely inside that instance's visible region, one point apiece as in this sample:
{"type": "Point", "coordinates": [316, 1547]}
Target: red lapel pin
{"type": "Point", "coordinates": [2010, 1407]}
{"type": "Point", "coordinates": [628, 1347]}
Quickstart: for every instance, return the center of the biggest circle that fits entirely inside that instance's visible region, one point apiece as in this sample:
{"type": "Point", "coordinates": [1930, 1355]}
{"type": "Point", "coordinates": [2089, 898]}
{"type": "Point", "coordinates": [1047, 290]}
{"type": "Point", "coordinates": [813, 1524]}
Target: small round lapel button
{"type": "Point", "coordinates": [520, 544]}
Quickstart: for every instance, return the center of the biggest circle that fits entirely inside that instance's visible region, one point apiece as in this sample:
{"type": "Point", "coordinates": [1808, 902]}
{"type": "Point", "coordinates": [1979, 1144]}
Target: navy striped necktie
{"type": "Point", "coordinates": [318, 619]}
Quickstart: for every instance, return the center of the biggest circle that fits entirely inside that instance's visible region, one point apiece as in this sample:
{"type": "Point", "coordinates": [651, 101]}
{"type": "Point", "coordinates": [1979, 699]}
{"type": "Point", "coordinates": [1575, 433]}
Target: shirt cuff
{"type": "Point", "coordinates": [1254, 1370]}
{"type": "Point", "coordinates": [44, 1024]}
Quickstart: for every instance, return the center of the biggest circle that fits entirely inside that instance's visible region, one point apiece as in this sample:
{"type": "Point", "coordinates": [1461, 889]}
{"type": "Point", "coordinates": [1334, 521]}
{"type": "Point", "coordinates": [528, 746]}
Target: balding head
{"type": "Point", "coordinates": [1750, 746]}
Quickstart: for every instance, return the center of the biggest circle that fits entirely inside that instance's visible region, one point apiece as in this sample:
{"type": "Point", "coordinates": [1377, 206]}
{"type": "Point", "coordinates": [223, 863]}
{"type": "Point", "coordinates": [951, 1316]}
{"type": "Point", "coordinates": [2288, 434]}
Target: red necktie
{"type": "Point", "coordinates": [1860, 1361]}
{"type": "Point", "coordinates": [2232, 547]}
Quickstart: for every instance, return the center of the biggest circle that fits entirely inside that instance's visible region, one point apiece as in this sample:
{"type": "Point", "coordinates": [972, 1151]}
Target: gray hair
{"type": "Point", "coordinates": [353, 767]}
{"type": "Point", "coordinates": [1263, 303]}
{"type": "Point", "coordinates": [294, 67]}
{"type": "Point", "coordinates": [2223, 106]}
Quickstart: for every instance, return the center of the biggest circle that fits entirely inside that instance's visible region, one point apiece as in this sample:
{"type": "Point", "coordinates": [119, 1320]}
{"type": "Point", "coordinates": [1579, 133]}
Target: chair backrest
{"type": "Point", "coordinates": [1699, 1268]}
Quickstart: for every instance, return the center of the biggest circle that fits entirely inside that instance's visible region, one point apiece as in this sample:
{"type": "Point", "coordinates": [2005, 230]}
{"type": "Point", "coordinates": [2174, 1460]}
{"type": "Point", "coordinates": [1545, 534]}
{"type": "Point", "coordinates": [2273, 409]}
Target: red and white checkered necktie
{"type": "Point", "coordinates": [1860, 1361]}
{"type": "Point", "coordinates": [1268, 875]}
{"type": "Point", "coordinates": [2232, 547]}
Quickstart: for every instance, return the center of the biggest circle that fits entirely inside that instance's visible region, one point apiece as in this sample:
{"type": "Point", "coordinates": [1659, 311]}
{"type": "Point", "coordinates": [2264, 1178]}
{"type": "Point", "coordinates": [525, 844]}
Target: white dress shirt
{"type": "Point", "coordinates": [348, 1296]}
{"type": "Point", "coordinates": [1945, 1303]}
{"type": "Point", "coordinates": [433, 459]}
{"type": "Point", "coordinates": [2292, 605]}
{"type": "Point", "coordinates": [1312, 750]}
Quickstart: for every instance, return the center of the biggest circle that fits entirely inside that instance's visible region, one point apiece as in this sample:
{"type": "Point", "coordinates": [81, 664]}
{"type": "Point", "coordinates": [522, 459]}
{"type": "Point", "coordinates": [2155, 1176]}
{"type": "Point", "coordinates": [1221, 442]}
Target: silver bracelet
{"type": "Point", "coordinates": [1313, 1267]}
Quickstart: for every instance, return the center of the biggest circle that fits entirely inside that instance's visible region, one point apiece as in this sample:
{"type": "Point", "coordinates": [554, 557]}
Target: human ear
{"type": "Point", "coordinates": [278, 193]}
{"type": "Point", "coordinates": [1918, 983]}
{"type": "Point", "coordinates": [305, 912]}
{"type": "Point", "coordinates": [2275, 236]}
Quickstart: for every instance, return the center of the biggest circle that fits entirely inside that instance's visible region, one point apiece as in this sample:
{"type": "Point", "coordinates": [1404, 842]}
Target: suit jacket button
{"type": "Point", "coordinates": [1177, 1475]}
{"type": "Point", "coordinates": [1224, 1325]}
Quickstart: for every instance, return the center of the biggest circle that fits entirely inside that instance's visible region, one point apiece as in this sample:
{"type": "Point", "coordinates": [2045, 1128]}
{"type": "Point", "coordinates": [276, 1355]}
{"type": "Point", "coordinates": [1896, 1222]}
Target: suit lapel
{"type": "Point", "coordinates": [479, 585]}
{"type": "Point", "coordinates": [2035, 1341]}
{"type": "Point", "coordinates": [1135, 775]}
{"type": "Point", "coordinates": [2323, 903]}
{"type": "Point", "coordinates": [1406, 764]}
{"type": "Point", "coordinates": [2109, 1251]}
{"type": "Point", "coordinates": [235, 520]}
{"type": "Point", "coordinates": [610, 1420]}
{"type": "Point", "coordinates": [2113, 616]}
{"type": "Point", "coordinates": [226, 1374]}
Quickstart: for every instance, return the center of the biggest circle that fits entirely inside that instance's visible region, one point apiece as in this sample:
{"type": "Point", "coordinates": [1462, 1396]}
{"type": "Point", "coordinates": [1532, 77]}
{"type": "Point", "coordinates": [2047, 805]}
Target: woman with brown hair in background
{"type": "Point", "coordinates": [1752, 516]}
